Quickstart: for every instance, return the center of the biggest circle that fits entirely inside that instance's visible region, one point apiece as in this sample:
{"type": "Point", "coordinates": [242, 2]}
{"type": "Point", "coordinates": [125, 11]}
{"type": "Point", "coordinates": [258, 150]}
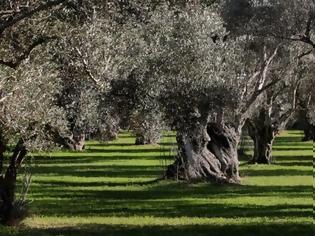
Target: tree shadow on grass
{"type": "Point", "coordinates": [277, 172]}
{"type": "Point", "coordinates": [95, 159]}
{"type": "Point", "coordinates": [140, 151]}
{"type": "Point", "coordinates": [167, 193]}
{"type": "Point", "coordinates": [299, 144]}
{"type": "Point", "coordinates": [165, 201]}
{"type": "Point", "coordinates": [291, 144]}
{"type": "Point", "coordinates": [294, 163]}
{"type": "Point", "coordinates": [88, 145]}
{"type": "Point", "coordinates": [102, 171]}
{"type": "Point", "coordinates": [169, 135]}
{"type": "Point", "coordinates": [293, 160]}
{"type": "Point", "coordinates": [128, 136]}
{"type": "Point", "coordinates": [297, 148]}
{"type": "Point", "coordinates": [66, 159]}
{"type": "Point", "coordinates": [171, 208]}
{"type": "Point", "coordinates": [168, 144]}
{"type": "Point", "coordinates": [288, 139]}
{"type": "Point", "coordinates": [183, 230]}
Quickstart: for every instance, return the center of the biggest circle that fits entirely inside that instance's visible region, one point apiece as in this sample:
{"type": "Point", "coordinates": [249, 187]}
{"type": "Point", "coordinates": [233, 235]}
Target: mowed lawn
{"type": "Point", "coordinates": [106, 190]}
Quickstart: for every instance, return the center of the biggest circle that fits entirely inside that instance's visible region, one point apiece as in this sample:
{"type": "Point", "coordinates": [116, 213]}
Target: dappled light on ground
{"type": "Point", "coordinates": [108, 190]}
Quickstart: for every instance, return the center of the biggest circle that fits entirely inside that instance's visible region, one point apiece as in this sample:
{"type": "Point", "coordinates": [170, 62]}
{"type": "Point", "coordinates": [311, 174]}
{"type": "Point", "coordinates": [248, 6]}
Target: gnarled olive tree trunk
{"type": "Point", "coordinates": [303, 123]}
{"type": "Point", "coordinates": [2, 151]}
{"type": "Point", "coordinates": [263, 133]}
{"type": "Point", "coordinates": [71, 142]}
{"type": "Point", "coordinates": [206, 154]}
{"type": "Point", "coordinates": [76, 142]}
{"type": "Point", "coordinates": [146, 127]}
{"type": "Point", "coordinates": [263, 136]}
{"type": "Point", "coordinates": [309, 132]}
{"type": "Point", "coordinates": [147, 138]}
{"type": "Point", "coordinates": [8, 185]}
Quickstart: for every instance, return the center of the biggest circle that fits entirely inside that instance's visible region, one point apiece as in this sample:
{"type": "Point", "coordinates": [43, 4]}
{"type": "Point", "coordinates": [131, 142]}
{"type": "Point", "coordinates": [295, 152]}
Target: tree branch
{"type": "Point", "coordinates": [304, 54]}
{"type": "Point", "coordinates": [309, 25]}
{"type": "Point", "coordinates": [296, 38]}
{"type": "Point", "coordinates": [29, 13]}
{"type": "Point", "coordinates": [265, 69]}
{"type": "Point", "coordinates": [18, 60]}
{"type": "Point", "coordinates": [260, 85]}
{"type": "Point", "coordinates": [86, 67]}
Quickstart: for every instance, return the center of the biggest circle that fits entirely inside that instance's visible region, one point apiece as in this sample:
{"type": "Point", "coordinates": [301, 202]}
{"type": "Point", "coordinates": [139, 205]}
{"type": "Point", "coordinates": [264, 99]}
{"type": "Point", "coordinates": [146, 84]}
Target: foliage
{"type": "Point", "coordinates": [71, 69]}
{"type": "Point", "coordinates": [28, 102]}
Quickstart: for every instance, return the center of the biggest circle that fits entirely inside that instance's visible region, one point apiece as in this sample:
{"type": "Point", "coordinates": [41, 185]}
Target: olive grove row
{"type": "Point", "coordinates": [207, 69]}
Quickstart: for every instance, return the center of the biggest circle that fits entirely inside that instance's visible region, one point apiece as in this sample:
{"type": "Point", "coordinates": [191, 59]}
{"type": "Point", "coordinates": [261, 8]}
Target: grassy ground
{"type": "Point", "coordinates": [106, 191]}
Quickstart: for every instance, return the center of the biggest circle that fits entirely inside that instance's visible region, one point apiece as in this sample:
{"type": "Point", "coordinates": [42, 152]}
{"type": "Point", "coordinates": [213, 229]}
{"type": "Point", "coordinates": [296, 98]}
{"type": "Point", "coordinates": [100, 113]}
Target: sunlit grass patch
{"type": "Point", "coordinates": [109, 189]}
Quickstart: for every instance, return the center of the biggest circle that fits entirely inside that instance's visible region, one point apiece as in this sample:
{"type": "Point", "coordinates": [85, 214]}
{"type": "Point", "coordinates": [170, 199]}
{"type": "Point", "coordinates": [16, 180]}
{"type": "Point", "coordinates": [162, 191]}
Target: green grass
{"type": "Point", "coordinates": [106, 190]}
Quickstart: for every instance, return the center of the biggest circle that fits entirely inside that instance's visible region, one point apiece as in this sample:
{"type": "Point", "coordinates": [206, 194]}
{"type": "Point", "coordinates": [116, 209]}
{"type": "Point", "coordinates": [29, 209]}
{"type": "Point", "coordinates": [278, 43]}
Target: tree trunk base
{"type": "Point", "coordinates": [205, 169]}
{"type": "Point", "coordinates": [309, 134]}
{"type": "Point", "coordinates": [210, 158]}
{"type": "Point", "coordinates": [145, 140]}
{"type": "Point", "coordinates": [262, 133]}
{"type": "Point", "coordinates": [76, 143]}
{"type": "Point", "coordinates": [142, 141]}
{"type": "Point", "coordinates": [10, 213]}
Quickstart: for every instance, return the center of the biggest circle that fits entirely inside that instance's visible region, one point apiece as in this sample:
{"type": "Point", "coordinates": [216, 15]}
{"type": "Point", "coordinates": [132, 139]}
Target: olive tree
{"type": "Point", "coordinates": [289, 22]}
{"type": "Point", "coordinates": [137, 107]}
{"type": "Point", "coordinates": [27, 108]}
{"type": "Point", "coordinates": [305, 112]}
{"type": "Point", "coordinates": [286, 20]}
{"type": "Point", "coordinates": [88, 61]}
{"type": "Point", "coordinates": [275, 110]}
{"type": "Point", "coordinates": [29, 85]}
{"type": "Point", "coordinates": [175, 52]}
{"type": "Point", "coordinates": [199, 76]}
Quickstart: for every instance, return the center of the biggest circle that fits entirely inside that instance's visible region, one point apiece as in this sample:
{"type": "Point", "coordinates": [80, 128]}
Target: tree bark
{"type": "Point", "coordinates": [140, 140]}
{"type": "Point", "coordinates": [111, 133]}
{"type": "Point", "coordinates": [8, 185]}
{"type": "Point", "coordinates": [146, 139]}
{"type": "Point", "coordinates": [303, 123]}
{"type": "Point", "coordinates": [309, 132]}
{"type": "Point", "coordinates": [263, 140]}
{"type": "Point", "coordinates": [71, 142]}
{"type": "Point", "coordinates": [263, 135]}
{"type": "Point", "coordinates": [2, 151]}
{"type": "Point", "coordinates": [76, 143]}
{"type": "Point", "coordinates": [206, 154]}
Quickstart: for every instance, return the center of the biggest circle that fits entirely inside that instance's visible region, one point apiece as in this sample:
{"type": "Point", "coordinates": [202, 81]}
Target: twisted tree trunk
{"type": "Point", "coordinates": [8, 185]}
{"type": "Point", "coordinates": [146, 130]}
{"type": "Point", "coordinates": [75, 143]}
{"type": "Point", "coordinates": [309, 132]}
{"type": "Point", "coordinates": [263, 137]}
{"type": "Point", "coordinates": [303, 123]}
{"type": "Point", "coordinates": [140, 140]}
{"type": "Point", "coordinates": [206, 154]}
{"type": "Point", "coordinates": [2, 150]}
{"type": "Point", "coordinates": [143, 139]}
{"type": "Point", "coordinates": [263, 134]}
